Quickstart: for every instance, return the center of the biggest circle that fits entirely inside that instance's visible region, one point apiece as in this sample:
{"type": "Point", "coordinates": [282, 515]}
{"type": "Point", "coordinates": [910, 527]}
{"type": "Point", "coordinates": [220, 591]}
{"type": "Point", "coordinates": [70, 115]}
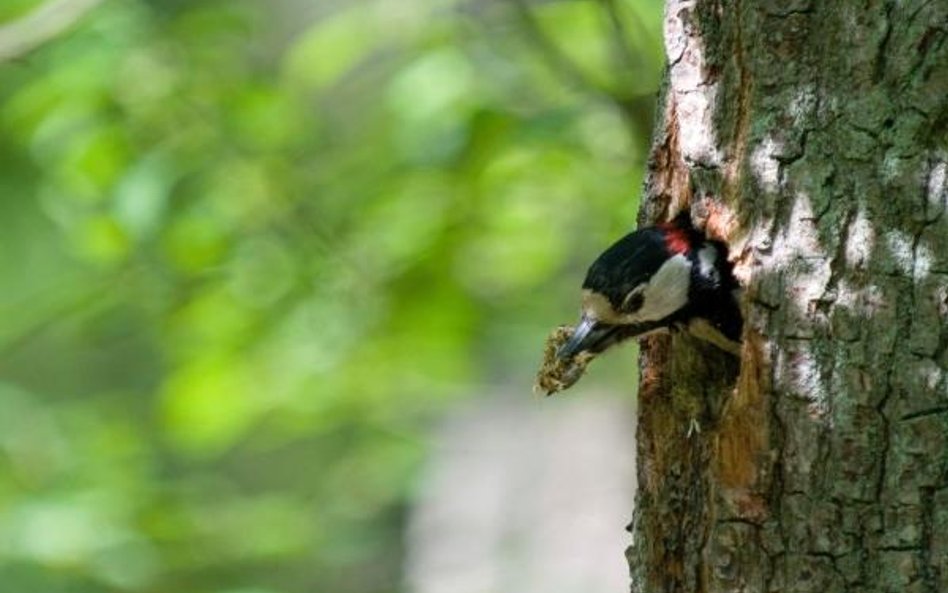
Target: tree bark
{"type": "Point", "coordinates": [811, 137]}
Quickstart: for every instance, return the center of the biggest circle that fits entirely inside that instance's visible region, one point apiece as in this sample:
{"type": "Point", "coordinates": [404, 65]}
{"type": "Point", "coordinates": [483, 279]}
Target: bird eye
{"type": "Point", "coordinates": [633, 302]}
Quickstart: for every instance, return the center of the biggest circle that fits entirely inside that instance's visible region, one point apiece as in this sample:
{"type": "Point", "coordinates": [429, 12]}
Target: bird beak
{"type": "Point", "coordinates": [593, 336]}
{"type": "Point", "coordinates": [586, 336]}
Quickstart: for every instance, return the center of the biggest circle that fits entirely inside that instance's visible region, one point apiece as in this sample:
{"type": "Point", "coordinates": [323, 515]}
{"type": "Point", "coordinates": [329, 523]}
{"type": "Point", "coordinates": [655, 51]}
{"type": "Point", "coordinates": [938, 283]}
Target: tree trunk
{"type": "Point", "coordinates": [812, 137]}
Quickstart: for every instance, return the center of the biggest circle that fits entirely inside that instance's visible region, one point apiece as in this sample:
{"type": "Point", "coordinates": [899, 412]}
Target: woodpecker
{"type": "Point", "coordinates": [664, 276]}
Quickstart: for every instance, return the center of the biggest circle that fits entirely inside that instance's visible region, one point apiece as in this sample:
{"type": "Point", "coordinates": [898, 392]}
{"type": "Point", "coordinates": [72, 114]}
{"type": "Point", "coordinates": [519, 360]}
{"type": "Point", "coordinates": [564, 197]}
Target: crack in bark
{"type": "Point", "coordinates": [906, 548]}
{"type": "Point", "coordinates": [882, 52]}
{"type": "Point", "coordinates": [928, 519]}
{"type": "Point", "coordinates": [837, 262]}
{"type": "Point", "coordinates": [925, 413]}
{"type": "Point", "coordinates": [778, 486]}
{"type": "Point", "coordinates": [923, 54]}
{"type": "Point", "coordinates": [733, 168]}
{"type": "Point", "coordinates": [886, 434]}
{"type": "Point", "coordinates": [832, 559]}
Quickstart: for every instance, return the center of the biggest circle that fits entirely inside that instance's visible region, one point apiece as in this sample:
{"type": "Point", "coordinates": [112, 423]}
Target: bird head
{"type": "Point", "coordinates": [641, 283]}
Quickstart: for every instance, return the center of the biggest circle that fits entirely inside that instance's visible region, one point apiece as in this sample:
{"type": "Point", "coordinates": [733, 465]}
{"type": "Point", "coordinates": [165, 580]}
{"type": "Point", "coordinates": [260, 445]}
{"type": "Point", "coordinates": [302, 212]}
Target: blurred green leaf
{"type": "Point", "coordinates": [15, 8]}
{"type": "Point", "coordinates": [142, 195]}
{"type": "Point", "coordinates": [332, 47]}
{"type": "Point", "coordinates": [208, 404]}
{"type": "Point", "coordinates": [254, 250]}
{"type": "Point", "coordinates": [432, 100]}
{"type": "Point", "coordinates": [579, 30]}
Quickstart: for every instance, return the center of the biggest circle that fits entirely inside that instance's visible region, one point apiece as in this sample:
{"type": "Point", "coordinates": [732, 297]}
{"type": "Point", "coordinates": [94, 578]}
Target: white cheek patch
{"type": "Point", "coordinates": [707, 260]}
{"type": "Point", "coordinates": [667, 291]}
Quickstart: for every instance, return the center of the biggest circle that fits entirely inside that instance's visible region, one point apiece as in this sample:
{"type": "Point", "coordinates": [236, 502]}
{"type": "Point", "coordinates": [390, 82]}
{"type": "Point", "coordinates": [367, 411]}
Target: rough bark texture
{"type": "Point", "coordinates": [812, 137]}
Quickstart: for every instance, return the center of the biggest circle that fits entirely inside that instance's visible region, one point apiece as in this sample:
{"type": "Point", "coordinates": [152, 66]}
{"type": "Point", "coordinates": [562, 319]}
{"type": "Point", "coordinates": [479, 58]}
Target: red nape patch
{"type": "Point", "coordinates": [676, 240]}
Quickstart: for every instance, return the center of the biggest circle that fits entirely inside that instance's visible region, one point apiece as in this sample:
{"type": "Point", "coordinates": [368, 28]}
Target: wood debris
{"type": "Point", "coordinates": [557, 374]}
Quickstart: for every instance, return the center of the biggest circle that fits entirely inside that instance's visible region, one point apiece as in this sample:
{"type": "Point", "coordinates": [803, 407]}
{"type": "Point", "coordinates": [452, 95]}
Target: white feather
{"type": "Point", "coordinates": [667, 291]}
{"type": "Point", "coordinates": [707, 258]}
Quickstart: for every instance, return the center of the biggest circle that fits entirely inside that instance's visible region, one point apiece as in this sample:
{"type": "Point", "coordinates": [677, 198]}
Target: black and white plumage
{"type": "Point", "coordinates": [664, 276]}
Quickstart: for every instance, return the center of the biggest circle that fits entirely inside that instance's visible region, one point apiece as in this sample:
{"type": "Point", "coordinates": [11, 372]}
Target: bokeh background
{"type": "Point", "coordinates": [276, 277]}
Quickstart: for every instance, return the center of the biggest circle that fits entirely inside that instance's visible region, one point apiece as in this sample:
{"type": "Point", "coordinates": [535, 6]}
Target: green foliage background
{"type": "Point", "coordinates": [252, 250]}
